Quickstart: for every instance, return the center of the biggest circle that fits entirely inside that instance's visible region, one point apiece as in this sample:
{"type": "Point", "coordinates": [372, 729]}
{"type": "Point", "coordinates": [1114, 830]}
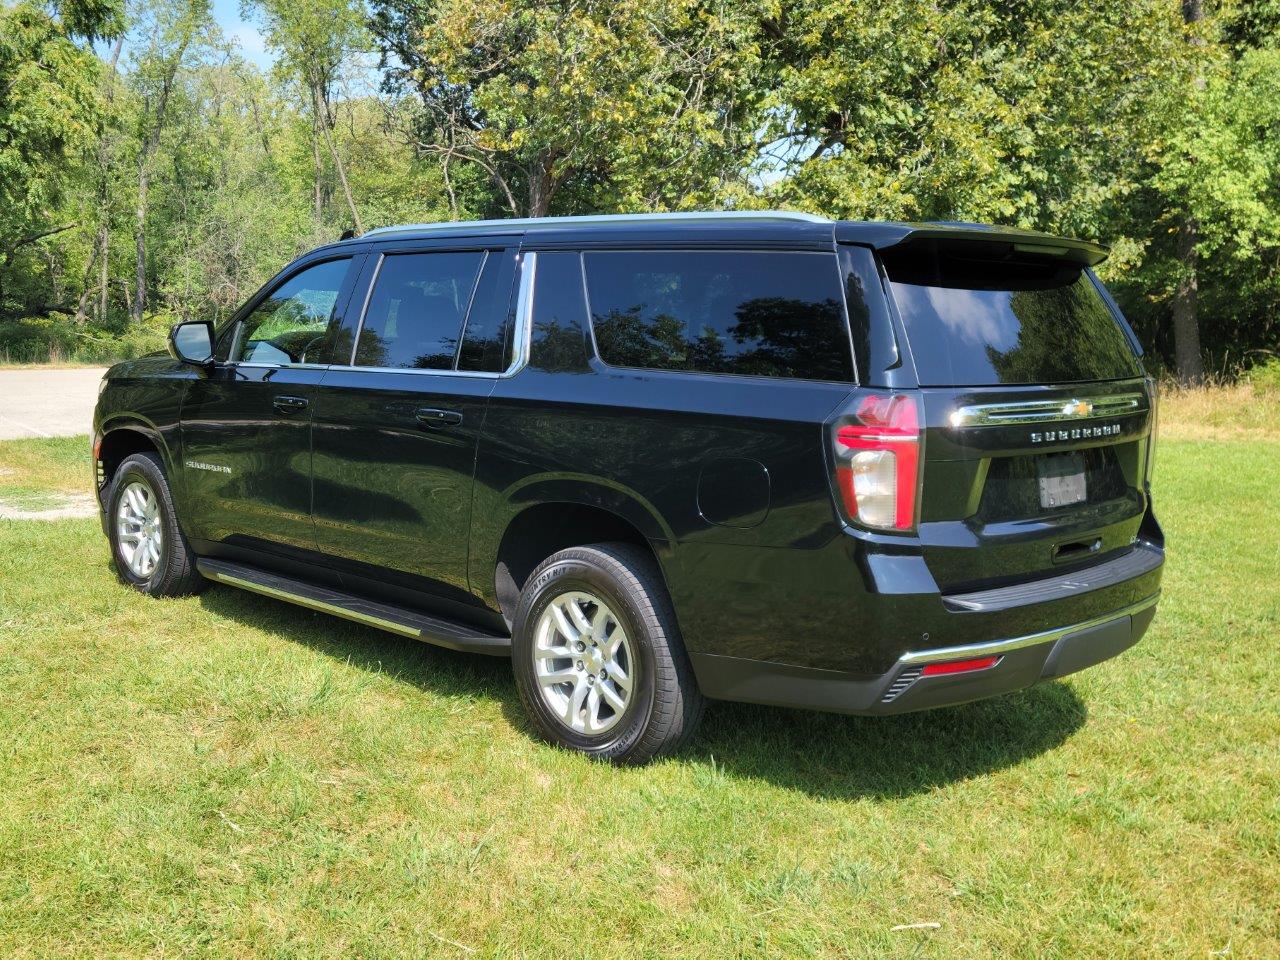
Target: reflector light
{"type": "Point", "coordinates": [960, 666]}
{"type": "Point", "coordinates": [878, 462]}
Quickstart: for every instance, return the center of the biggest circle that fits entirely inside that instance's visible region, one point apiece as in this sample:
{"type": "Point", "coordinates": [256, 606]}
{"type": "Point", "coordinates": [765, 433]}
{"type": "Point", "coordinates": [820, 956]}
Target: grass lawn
{"type": "Point", "coordinates": [230, 776]}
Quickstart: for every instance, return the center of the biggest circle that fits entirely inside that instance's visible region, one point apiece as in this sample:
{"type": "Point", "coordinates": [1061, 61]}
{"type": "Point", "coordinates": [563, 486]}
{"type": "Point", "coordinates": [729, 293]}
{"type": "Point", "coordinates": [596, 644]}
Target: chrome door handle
{"type": "Point", "coordinates": [289, 404]}
{"type": "Point", "coordinates": [436, 419]}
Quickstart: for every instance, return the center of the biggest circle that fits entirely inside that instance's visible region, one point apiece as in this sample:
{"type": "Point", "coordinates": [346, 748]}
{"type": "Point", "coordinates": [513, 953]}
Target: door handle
{"type": "Point", "coordinates": [289, 404]}
{"type": "Point", "coordinates": [436, 418]}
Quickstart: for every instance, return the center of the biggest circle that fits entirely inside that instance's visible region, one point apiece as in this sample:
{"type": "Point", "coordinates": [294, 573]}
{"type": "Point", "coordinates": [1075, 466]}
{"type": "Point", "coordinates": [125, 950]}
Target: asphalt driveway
{"type": "Point", "coordinates": [47, 403]}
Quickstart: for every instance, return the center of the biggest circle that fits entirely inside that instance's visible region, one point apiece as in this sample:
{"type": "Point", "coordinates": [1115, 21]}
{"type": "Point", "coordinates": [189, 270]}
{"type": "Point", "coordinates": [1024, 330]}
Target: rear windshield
{"type": "Point", "coordinates": [737, 312]}
{"type": "Point", "coordinates": [977, 314]}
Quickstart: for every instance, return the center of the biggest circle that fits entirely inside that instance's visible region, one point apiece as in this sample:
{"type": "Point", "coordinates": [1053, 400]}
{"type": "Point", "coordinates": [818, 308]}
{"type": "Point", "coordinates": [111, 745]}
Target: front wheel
{"type": "Point", "coordinates": [598, 658]}
{"type": "Point", "coordinates": [151, 553]}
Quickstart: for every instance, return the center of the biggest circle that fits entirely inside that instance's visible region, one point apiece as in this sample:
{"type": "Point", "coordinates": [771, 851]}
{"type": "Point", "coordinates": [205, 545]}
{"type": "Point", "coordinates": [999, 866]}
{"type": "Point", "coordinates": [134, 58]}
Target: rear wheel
{"type": "Point", "coordinates": [598, 658]}
{"type": "Point", "coordinates": [151, 553]}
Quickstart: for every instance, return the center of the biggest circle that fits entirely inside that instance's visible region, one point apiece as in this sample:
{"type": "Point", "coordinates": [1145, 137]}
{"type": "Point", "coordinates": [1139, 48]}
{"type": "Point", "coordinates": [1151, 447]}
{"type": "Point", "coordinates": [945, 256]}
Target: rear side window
{"type": "Point", "coordinates": [979, 314]}
{"type": "Point", "coordinates": [738, 312]}
{"type": "Point", "coordinates": [416, 309]}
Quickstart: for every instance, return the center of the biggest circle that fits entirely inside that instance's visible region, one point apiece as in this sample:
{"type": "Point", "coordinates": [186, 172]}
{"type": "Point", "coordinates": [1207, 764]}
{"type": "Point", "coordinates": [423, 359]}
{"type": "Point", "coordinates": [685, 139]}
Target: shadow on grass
{"type": "Point", "coordinates": [825, 755]}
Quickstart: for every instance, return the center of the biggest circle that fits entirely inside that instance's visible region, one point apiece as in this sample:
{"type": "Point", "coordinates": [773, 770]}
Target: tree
{"type": "Point", "coordinates": [49, 111]}
{"type": "Point", "coordinates": [1033, 114]}
{"type": "Point", "coordinates": [172, 29]}
{"type": "Point", "coordinates": [1186, 323]}
{"type": "Point", "coordinates": [533, 107]}
{"type": "Point", "coordinates": [314, 40]}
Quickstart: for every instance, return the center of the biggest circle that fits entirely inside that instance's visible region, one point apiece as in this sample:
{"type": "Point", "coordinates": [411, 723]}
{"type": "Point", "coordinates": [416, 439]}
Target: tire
{"type": "Point", "coordinates": [172, 573]}
{"type": "Point", "coordinates": [614, 586]}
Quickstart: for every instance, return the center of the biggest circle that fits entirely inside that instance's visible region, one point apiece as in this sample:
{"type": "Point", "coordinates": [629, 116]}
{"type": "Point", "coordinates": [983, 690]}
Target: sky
{"type": "Point", "coordinates": [243, 33]}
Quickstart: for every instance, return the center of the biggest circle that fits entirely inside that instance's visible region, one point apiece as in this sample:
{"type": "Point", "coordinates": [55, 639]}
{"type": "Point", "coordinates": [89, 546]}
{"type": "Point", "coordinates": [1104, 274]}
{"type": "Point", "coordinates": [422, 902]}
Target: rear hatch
{"type": "Point", "coordinates": [1036, 412]}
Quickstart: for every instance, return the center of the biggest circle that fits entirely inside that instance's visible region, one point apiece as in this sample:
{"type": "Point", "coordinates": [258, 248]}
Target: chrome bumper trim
{"type": "Point", "coordinates": [995, 647]}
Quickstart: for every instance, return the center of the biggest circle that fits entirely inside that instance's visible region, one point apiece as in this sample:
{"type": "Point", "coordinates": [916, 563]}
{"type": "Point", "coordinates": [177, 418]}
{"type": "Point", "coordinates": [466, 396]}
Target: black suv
{"type": "Point", "coordinates": [862, 467]}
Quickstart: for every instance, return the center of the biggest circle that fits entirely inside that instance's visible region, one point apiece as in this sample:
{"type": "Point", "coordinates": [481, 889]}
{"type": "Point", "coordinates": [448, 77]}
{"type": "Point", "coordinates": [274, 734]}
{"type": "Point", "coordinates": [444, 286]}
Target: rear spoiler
{"type": "Point", "coordinates": [882, 236]}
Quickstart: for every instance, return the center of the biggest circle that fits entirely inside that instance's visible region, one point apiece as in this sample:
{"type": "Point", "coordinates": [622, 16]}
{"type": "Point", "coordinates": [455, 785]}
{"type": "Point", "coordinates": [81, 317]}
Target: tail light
{"type": "Point", "coordinates": [877, 460]}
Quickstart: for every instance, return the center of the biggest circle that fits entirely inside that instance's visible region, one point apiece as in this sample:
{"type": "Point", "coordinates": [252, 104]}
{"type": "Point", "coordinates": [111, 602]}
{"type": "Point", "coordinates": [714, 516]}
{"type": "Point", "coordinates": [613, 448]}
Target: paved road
{"type": "Point", "coordinates": [47, 403]}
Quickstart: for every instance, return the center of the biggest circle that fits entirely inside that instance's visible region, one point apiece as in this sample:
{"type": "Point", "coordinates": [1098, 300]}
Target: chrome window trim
{"type": "Point", "coordinates": [1038, 411]}
{"type": "Point", "coordinates": [998, 647]}
{"type": "Point", "coordinates": [274, 366]}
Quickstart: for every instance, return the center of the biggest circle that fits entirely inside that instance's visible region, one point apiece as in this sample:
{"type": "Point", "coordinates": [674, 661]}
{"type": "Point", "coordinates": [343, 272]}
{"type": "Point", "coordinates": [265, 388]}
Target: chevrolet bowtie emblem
{"type": "Point", "coordinates": [1077, 408]}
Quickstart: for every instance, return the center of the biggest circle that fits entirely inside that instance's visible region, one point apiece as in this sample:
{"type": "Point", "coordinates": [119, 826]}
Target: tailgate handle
{"type": "Point", "coordinates": [1066, 552]}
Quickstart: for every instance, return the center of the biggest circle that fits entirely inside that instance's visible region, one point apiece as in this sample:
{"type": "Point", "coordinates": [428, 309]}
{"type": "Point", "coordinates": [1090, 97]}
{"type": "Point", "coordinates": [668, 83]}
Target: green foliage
{"type": "Point", "coordinates": [1265, 376]}
{"type": "Point", "coordinates": [538, 108]}
{"type": "Point", "coordinates": [49, 112]}
{"type": "Point", "coordinates": [1113, 121]}
{"type": "Point", "coordinates": [1032, 114]}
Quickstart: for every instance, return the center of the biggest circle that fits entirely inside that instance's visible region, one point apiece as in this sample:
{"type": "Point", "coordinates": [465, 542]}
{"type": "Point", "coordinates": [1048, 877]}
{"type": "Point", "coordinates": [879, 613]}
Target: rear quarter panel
{"type": "Point", "coordinates": [637, 443]}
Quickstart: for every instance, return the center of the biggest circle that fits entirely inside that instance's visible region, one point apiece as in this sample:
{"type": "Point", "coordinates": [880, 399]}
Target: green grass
{"type": "Point", "coordinates": [230, 776]}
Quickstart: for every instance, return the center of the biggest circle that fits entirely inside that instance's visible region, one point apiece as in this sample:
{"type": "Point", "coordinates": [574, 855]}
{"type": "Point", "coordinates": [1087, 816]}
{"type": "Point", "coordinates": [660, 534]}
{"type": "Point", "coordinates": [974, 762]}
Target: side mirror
{"type": "Point", "coordinates": [192, 342]}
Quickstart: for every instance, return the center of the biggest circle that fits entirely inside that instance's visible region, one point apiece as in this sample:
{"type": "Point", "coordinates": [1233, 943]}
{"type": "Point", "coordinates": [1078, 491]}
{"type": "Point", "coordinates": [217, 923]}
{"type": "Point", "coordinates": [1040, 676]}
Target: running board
{"type": "Point", "coordinates": [401, 620]}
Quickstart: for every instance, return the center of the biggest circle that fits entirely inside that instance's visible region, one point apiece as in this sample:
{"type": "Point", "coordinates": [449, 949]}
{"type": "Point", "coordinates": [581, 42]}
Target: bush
{"type": "Point", "coordinates": [1265, 377]}
{"type": "Point", "coordinates": [60, 339]}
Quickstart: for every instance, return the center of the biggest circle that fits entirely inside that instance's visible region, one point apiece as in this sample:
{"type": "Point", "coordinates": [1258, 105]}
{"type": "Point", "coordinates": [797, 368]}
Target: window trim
{"type": "Point", "coordinates": [844, 307]}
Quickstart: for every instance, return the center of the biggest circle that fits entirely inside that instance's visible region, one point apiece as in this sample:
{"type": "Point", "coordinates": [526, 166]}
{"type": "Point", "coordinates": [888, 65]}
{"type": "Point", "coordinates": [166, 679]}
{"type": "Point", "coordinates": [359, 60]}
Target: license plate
{"type": "Point", "coordinates": [1061, 478]}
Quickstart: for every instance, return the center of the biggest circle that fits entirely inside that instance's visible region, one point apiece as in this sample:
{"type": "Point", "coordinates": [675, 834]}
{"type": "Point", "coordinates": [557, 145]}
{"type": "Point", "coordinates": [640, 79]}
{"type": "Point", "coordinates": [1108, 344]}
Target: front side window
{"type": "Point", "coordinates": [416, 310]}
{"type": "Point", "coordinates": [292, 323]}
{"type": "Point", "coordinates": [739, 312]}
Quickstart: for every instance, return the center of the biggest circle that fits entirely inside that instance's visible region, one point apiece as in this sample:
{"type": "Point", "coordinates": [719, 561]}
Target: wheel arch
{"type": "Point", "coordinates": [549, 517]}
{"type": "Point", "coordinates": [123, 437]}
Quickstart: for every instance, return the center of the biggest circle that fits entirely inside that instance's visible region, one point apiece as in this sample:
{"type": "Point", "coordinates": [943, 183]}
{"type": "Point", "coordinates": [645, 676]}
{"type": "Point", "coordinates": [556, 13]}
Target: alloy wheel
{"type": "Point", "coordinates": [139, 530]}
{"type": "Point", "coordinates": [584, 663]}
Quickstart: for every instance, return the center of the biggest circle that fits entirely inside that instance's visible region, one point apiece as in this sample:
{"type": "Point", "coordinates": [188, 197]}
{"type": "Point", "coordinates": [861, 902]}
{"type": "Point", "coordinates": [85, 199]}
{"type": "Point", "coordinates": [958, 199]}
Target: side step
{"type": "Point", "coordinates": [401, 620]}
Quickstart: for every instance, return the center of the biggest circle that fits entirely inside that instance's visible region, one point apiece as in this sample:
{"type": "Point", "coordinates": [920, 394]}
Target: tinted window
{"type": "Point", "coordinates": [759, 314]}
{"type": "Point", "coordinates": [558, 334]}
{"type": "Point", "coordinates": [416, 309]}
{"type": "Point", "coordinates": [977, 314]}
{"type": "Point", "coordinates": [291, 324]}
{"type": "Point", "coordinates": [484, 342]}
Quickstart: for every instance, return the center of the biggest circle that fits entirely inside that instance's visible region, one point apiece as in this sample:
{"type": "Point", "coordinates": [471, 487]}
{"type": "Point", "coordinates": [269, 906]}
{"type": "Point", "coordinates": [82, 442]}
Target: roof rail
{"type": "Point", "coordinates": [605, 219]}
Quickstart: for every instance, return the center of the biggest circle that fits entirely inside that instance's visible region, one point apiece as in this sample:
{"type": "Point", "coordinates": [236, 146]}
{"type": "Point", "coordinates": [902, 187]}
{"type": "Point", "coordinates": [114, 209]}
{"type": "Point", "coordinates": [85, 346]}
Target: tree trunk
{"type": "Point", "coordinates": [140, 247]}
{"type": "Point", "coordinates": [1186, 321]}
{"type": "Point", "coordinates": [321, 106]}
{"type": "Point", "coordinates": [102, 239]}
{"type": "Point", "coordinates": [150, 142]}
{"type": "Point", "coordinates": [317, 194]}
{"type": "Point", "coordinates": [541, 187]}
{"type": "Point", "coordinates": [1186, 329]}
{"type": "Point", "coordinates": [104, 291]}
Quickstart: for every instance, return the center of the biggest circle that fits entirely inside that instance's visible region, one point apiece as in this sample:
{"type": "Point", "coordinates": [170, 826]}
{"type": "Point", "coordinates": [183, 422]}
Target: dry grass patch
{"type": "Point", "coordinates": [1236, 412]}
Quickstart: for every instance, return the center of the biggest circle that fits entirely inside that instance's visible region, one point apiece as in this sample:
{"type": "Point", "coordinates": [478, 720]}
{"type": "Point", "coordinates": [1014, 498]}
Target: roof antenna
{"type": "Point", "coordinates": [347, 234]}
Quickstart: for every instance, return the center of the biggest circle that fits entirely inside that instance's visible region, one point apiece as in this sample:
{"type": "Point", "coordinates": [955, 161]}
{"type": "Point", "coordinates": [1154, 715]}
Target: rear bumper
{"type": "Point", "coordinates": [1023, 660]}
